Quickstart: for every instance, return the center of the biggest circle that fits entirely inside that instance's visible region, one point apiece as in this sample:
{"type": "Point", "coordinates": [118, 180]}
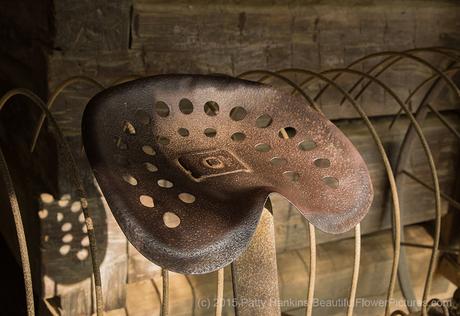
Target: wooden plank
{"type": "Point", "coordinates": [186, 37]}
{"type": "Point", "coordinates": [334, 268]}
{"type": "Point", "coordinates": [92, 26]}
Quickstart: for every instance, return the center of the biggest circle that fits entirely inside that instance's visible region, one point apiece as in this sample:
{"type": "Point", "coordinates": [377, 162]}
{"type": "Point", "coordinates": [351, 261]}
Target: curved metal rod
{"type": "Point", "coordinates": [412, 93]}
{"type": "Point", "coordinates": [397, 57]}
{"type": "Point", "coordinates": [395, 60]}
{"type": "Point", "coordinates": [419, 60]}
{"type": "Point", "coordinates": [220, 291]}
{"type": "Point", "coordinates": [283, 78]}
{"type": "Point", "coordinates": [432, 167]}
{"type": "Point", "coordinates": [15, 209]}
{"type": "Point", "coordinates": [454, 203]}
{"type": "Point", "coordinates": [354, 282]}
{"type": "Point", "coordinates": [444, 121]}
{"type": "Point", "coordinates": [164, 309]}
{"type": "Point", "coordinates": [427, 150]}
{"type": "Point", "coordinates": [312, 277]}
{"type": "Point", "coordinates": [389, 171]}
{"type": "Point", "coordinates": [70, 163]}
{"type": "Point", "coordinates": [402, 164]}
{"type": "Point", "coordinates": [406, 289]}
{"type": "Point", "coordinates": [125, 79]}
{"type": "Point", "coordinates": [365, 58]}
{"type": "Point", "coordinates": [55, 95]}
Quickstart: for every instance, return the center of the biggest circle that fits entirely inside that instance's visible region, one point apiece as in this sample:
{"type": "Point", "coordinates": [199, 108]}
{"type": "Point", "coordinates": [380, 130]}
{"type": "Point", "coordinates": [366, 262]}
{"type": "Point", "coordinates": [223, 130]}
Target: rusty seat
{"type": "Point", "coordinates": [186, 163]}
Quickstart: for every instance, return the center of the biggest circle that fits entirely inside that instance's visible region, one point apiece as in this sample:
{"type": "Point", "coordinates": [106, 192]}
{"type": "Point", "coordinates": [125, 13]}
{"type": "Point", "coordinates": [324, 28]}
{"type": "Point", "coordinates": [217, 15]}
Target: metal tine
{"type": "Point", "coordinates": [52, 99]}
{"type": "Point", "coordinates": [76, 181]}
{"type": "Point", "coordinates": [397, 59]}
{"type": "Point", "coordinates": [312, 277]}
{"type": "Point", "coordinates": [427, 150]}
{"type": "Point", "coordinates": [444, 121]}
{"type": "Point", "coordinates": [64, 85]}
{"type": "Point", "coordinates": [443, 249]}
{"type": "Point", "coordinates": [164, 308]}
{"type": "Point", "coordinates": [357, 263]}
{"type": "Point", "coordinates": [220, 291]}
{"type": "Point", "coordinates": [418, 130]}
{"type": "Point", "coordinates": [412, 93]}
{"type": "Point", "coordinates": [125, 79]}
{"type": "Point", "coordinates": [446, 197]}
{"type": "Point", "coordinates": [400, 55]}
{"type": "Point", "coordinates": [365, 58]}
{"type": "Point", "coordinates": [387, 165]}
{"type": "Point", "coordinates": [422, 104]}
{"type": "Point", "coordinates": [337, 76]}
{"type": "Point", "coordinates": [403, 159]}
{"type": "Point", "coordinates": [20, 234]}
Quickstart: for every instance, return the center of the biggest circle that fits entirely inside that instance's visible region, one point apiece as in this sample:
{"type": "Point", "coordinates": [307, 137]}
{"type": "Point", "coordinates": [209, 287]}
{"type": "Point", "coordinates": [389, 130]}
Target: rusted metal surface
{"type": "Point", "coordinates": [255, 276]}
{"type": "Point", "coordinates": [204, 152]}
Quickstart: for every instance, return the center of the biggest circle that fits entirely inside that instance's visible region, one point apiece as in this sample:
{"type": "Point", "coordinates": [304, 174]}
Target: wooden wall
{"type": "Point", "coordinates": [108, 40]}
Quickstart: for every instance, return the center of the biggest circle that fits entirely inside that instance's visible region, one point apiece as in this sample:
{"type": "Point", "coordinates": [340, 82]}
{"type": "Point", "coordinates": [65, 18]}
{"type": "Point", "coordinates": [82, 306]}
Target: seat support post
{"type": "Point", "coordinates": [254, 273]}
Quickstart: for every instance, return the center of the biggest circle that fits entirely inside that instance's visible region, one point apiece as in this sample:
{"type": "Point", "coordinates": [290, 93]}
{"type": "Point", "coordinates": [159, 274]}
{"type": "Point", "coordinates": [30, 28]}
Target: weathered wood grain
{"type": "Point", "coordinates": [108, 41]}
{"type": "Point", "coordinates": [202, 37]}
{"type": "Point", "coordinates": [92, 25]}
{"type": "Point", "coordinates": [334, 268]}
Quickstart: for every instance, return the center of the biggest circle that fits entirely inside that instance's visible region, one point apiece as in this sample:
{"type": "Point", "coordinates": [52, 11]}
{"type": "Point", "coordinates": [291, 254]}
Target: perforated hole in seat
{"type": "Point", "coordinates": [188, 177]}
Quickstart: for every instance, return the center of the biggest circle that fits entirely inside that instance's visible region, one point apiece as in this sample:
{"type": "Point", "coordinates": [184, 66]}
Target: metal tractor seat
{"type": "Point", "coordinates": [186, 163]}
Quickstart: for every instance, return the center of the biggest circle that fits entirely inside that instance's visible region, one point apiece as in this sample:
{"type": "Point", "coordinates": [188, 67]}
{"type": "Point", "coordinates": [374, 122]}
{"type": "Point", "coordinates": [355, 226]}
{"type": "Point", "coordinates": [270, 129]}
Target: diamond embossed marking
{"type": "Point", "coordinates": [187, 162]}
{"type": "Point", "coordinates": [212, 163]}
